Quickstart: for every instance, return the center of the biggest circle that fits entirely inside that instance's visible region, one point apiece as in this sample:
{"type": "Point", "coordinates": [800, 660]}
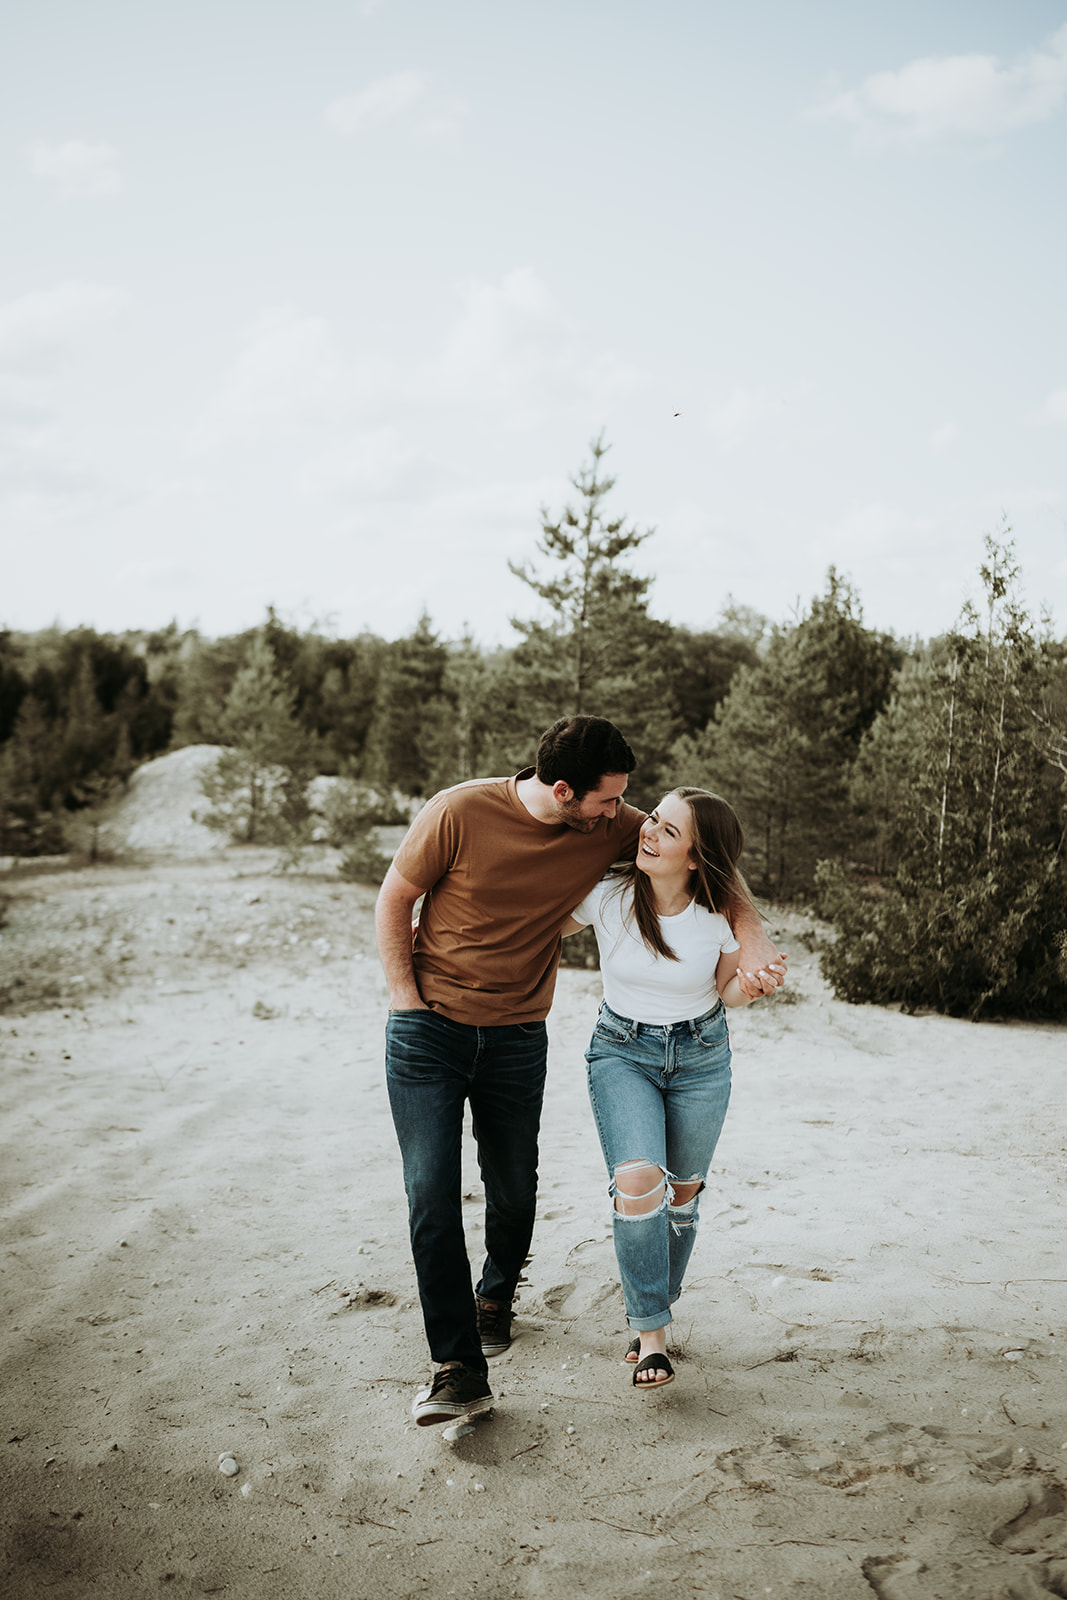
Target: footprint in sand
{"type": "Point", "coordinates": [892, 1577]}
{"type": "Point", "coordinates": [1040, 1527]}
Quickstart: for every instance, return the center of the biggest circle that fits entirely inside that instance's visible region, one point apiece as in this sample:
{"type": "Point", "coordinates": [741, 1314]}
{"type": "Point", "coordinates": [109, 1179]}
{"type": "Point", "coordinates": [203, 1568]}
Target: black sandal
{"type": "Point", "coordinates": [654, 1363]}
{"type": "Point", "coordinates": [633, 1349]}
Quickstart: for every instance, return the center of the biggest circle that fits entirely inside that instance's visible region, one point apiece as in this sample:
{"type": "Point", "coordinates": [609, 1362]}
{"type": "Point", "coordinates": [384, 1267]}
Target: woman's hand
{"type": "Point", "coordinates": [765, 980]}
{"type": "Point", "coordinates": [739, 987]}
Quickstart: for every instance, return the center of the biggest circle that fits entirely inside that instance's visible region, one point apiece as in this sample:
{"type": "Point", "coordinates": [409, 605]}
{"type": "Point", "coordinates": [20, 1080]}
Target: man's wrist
{"type": "Point", "coordinates": [406, 1000]}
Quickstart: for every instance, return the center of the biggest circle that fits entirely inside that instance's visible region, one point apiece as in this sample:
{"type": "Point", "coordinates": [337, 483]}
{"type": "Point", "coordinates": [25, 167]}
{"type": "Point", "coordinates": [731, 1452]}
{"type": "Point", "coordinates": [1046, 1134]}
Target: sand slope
{"type": "Point", "coordinates": [205, 1250]}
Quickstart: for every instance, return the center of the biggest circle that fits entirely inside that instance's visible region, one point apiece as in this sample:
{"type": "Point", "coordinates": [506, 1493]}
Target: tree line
{"type": "Point", "coordinates": [912, 792]}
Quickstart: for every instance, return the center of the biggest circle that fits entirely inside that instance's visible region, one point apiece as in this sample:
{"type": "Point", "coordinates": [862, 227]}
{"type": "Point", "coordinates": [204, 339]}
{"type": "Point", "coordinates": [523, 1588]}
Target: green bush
{"type": "Point", "coordinates": [988, 948]}
{"type": "Point", "coordinates": [350, 808]}
{"type": "Point", "coordinates": [362, 861]}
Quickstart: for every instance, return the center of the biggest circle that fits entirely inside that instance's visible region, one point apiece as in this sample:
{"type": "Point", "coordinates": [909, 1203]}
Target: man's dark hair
{"type": "Point", "coordinates": [581, 751]}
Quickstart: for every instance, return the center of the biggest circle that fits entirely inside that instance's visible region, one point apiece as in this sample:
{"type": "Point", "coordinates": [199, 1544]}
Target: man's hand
{"type": "Point", "coordinates": [761, 965]}
{"type": "Point", "coordinates": [764, 980]}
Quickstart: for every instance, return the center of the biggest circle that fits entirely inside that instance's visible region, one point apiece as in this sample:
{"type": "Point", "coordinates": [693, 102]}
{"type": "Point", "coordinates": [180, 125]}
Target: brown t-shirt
{"type": "Point", "coordinates": [499, 886]}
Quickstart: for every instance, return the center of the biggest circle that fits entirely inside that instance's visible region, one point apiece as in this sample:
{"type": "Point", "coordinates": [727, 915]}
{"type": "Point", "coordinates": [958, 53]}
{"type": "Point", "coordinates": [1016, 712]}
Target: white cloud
{"type": "Point", "coordinates": [166, 576]}
{"type": "Point", "coordinates": [444, 122]}
{"type": "Point", "coordinates": [944, 438]}
{"type": "Point", "coordinates": [968, 94]}
{"type": "Point", "coordinates": [80, 171]}
{"type": "Point", "coordinates": [514, 355]}
{"type": "Point", "coordinates": [878, 527]}
{"type": "Point", "coordinates": [379, 102]}
{"type": "Point", "coordinates": [1054, 409]}
{"type": "Point", "coordinates": [38, 329]}
{"type": "Point", "coordinates": [734, 422]}
{"type": "Point", "coordinates": [287, 376]}
{"type": "Point", "coordinates": [333, 422]}
{"type": "Point", "coordinates": [368, 463]}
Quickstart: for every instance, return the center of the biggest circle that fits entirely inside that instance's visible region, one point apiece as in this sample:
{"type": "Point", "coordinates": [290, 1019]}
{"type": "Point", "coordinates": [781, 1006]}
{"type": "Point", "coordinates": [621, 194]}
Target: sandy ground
{"type": "Point", "coordinates": [205, 1251]}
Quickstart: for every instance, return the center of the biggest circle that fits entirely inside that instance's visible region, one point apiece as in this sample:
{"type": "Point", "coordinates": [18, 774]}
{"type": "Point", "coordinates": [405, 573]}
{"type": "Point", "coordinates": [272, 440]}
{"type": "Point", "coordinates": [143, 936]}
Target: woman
{"type": "Point", "coordinates": [659, 1059]}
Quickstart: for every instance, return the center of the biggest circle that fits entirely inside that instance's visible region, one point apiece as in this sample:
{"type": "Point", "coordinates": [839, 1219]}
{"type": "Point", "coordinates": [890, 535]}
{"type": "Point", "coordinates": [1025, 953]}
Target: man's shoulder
{"type": "Point", "coordinates": [473, 791]}
{"type": "Point", "coordinates": [453, 807]}
{"type": "Point", "coordinates": [625, 825]}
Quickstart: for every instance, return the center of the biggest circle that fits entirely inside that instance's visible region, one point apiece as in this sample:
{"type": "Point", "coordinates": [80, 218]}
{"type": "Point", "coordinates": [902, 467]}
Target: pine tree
{"type": "Point", "coordinates": [782, 742]}
{"type": "Point", "coordinates": [582, 660]}
{"type": "Point", "coordinates": [973, 916]}
{"type": "Point", "coordinates": [409, 702]}
{"type": "Point", "coordinates": [29, 822]}
{"type": "Point", "coordinates": [258, 786]}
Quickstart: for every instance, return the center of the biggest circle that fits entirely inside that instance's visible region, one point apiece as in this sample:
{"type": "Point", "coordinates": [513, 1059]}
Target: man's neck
{"type": "Point", "coordinates": [538, 799]}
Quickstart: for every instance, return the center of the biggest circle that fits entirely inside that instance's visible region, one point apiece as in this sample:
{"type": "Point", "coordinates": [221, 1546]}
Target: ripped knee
{"type": "Point", "coordinates": [682, 1194]}
{"type": "Point", "coordinates": [639, 1188]}
{"type": "Point", "coordinates": [682, 1208]}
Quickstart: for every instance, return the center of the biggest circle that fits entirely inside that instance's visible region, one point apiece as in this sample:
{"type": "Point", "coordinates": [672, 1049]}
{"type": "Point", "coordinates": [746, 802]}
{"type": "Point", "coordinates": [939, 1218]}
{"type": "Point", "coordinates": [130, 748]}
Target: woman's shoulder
{"type": "Point", "coordinates": [610, 889]}
{"type": "Point", "coordinates": [614, 885]}
{"type": "Point", "coordinates": [713, 921]}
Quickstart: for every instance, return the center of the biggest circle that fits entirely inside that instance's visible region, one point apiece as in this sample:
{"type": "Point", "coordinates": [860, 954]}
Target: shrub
{"type": "Point", "coordinates": [362, 861]}
{"type": "Point", "coordinates": [987, 948]}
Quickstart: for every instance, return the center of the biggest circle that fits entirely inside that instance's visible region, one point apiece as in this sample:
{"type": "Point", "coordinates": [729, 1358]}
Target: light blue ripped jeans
{"type": "Point", "coordinates": [659, 1096]}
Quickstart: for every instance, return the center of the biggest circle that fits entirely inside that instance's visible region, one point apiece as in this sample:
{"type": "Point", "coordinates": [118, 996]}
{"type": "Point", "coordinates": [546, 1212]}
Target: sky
{"type": "Point", "coordinates": [317, 306]}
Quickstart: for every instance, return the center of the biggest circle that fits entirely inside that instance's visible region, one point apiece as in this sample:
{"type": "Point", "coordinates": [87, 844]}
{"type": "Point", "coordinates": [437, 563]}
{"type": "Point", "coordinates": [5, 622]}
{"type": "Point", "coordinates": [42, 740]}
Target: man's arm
{"type": "Point", "coordinates": [392, 926]}
{"type": "Point", "coordinates": [761, 965]}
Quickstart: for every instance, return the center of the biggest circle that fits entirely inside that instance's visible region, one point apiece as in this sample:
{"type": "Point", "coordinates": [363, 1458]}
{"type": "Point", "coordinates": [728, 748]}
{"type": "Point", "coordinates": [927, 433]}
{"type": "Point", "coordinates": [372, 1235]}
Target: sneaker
{"type": "Point", "coordinates": [455, 1392]}
{"type": "Point", "coordinates": [494, 1326]}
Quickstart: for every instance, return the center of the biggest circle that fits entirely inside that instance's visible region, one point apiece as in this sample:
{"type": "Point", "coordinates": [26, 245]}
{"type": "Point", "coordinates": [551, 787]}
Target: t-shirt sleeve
{"type": "Point", "coordinates": [728, 943]}
{"type": "Point", "coordinates": [426, 850]}
{"type": "Point", "coordinates": [631, 820]}
{"type": "Point", "coordinates": [587, 910]}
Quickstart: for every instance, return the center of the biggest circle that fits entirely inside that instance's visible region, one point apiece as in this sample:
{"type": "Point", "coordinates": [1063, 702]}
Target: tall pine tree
{"type": "Point", "coordinates": [781, 743]}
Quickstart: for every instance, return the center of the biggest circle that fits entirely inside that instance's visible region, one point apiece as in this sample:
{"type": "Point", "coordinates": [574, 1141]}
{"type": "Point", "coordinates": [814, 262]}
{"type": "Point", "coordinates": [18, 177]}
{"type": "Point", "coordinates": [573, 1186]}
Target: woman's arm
{"type": "Point", "coordinates": [728, 982]}
{"type": "Point", "coordinates": [570, 926]}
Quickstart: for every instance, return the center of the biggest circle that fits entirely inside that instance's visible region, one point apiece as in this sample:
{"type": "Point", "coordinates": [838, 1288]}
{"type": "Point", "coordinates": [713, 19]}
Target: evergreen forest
{"type": "Point", "coordinates": [912, 793]}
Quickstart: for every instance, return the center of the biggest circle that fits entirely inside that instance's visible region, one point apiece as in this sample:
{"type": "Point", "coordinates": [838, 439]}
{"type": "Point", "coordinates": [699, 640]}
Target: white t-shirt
{"type": "Point", "coordinates": [642, 985]}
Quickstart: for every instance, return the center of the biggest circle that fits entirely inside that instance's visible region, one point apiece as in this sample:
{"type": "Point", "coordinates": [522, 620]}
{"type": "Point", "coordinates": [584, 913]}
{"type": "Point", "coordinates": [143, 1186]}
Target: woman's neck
{"type": "Point", "coordinates": [672, 896]}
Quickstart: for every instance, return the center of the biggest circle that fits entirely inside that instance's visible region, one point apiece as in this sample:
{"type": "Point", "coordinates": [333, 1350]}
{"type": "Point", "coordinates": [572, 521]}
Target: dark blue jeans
{"type": "Point", "coordinates": [433, 1066]}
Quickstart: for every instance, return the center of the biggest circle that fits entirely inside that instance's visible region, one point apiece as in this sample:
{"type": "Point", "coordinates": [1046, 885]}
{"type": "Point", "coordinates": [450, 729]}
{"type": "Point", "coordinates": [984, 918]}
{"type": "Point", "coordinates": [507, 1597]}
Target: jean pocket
{"type": "Point", "coordinates": [713, 1033]}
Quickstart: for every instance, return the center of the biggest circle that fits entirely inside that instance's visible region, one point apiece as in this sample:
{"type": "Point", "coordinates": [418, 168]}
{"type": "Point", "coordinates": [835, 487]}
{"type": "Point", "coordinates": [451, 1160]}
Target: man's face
{"type": "Point", "coordinates": [603, 801]}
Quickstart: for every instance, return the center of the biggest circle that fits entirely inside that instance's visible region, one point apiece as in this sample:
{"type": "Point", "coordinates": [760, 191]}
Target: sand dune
{"type": "Point", "coordinates": [206, 1252]}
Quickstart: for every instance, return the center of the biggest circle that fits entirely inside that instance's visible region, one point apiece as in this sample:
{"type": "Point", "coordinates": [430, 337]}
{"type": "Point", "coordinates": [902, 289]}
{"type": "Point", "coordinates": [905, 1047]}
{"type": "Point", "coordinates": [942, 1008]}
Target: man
{"type": "Point", "coordinates": [501, 864]}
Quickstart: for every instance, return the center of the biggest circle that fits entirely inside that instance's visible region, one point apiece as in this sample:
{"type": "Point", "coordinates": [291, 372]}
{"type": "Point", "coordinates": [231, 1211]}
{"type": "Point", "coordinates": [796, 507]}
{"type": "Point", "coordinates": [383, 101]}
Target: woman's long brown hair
{"type": "Point", "coordinates": [716, 883]}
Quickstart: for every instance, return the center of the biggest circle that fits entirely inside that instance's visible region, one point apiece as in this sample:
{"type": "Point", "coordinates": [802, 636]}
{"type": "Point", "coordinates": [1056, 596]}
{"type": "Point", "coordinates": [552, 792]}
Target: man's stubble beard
{"type": "Point", "coordinates": [569, 814]}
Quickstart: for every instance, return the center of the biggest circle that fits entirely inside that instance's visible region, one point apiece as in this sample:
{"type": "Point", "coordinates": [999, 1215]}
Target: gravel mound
{"type": "Point", "coordinates": [156, 812]}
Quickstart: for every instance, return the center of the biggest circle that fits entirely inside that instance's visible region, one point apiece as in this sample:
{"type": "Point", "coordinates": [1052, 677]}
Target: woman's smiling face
{"type": "Point", "coordinates": [665, 847]}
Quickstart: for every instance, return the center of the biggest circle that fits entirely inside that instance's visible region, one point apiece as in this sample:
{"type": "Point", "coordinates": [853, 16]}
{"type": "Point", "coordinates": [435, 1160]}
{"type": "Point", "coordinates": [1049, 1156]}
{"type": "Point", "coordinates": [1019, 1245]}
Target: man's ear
{"type": "Point", "coordinates": [562, 793]}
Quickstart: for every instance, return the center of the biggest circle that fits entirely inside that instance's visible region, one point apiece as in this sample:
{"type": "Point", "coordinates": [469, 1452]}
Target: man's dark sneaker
{"type": "Point", "coordinates": [494, 1326]}
{"type": "Point", "coordinates": [455, 1392]}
